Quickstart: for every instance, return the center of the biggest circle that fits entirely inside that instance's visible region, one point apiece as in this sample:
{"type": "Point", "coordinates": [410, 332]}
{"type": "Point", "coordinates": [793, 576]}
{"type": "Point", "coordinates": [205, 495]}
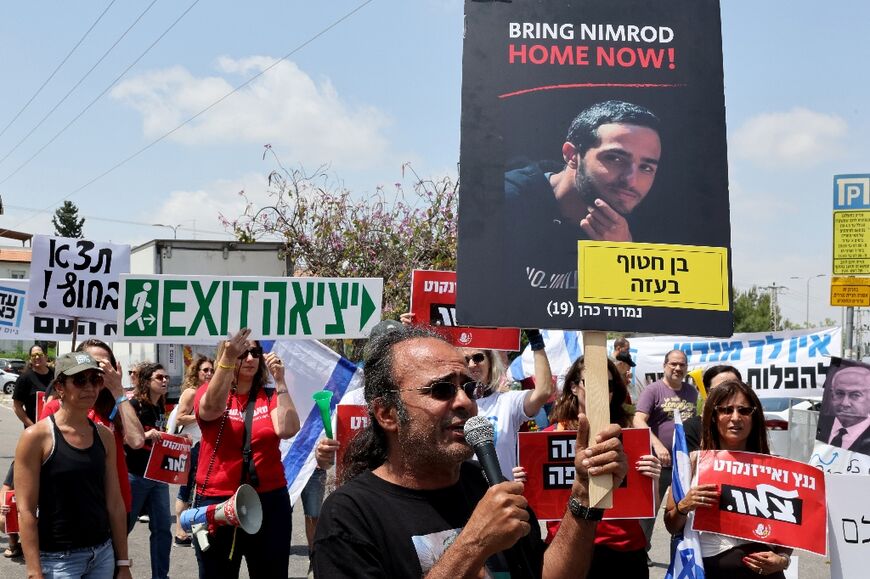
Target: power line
{"type": "Point", "coordinates": [121, 221]}
{"type": "Point", "coordinates": [62, 62]}
{"type": "Point", "coordinates": [81, 80]}
{"type": "Point", "coordinates": [129, 158]}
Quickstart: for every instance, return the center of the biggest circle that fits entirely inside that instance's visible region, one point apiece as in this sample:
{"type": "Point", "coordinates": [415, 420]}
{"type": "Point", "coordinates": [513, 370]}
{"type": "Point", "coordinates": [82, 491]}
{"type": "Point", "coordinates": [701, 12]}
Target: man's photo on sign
{"type": "Point", "coordinates": [844, 421]}
{"type": "Point", "coordinates": [609, 161]}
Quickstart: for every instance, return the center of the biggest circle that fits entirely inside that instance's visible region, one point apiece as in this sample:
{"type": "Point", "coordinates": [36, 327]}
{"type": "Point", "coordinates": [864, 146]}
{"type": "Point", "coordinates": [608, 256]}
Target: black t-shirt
{"type": "Point", "coordinates": [692, 428]}
{"type": "Point", "coordinates": [26, 387]}
{"type": "Point", "coordinates": [152, 417]}
{"type": "Point", "coordinates": [372, 528]}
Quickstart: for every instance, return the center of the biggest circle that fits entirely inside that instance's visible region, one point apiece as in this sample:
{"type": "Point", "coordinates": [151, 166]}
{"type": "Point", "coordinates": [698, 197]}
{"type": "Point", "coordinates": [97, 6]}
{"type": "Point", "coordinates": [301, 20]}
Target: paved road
{"type": "Point", "coordinates": [183, 562]}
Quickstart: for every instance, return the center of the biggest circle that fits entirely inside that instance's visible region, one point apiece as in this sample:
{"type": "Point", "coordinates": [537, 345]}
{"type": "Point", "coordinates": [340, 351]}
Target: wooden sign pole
{"type": "Point", "coordinates": [75, 333]}
{"type": "Point", "coordinates": [597, 409]}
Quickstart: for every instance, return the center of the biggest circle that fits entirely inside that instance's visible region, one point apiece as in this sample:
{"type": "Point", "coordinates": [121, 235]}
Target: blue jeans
{"type": "Point", "coordinates": [86, 563]}
{"type": "Point", "coordinates": [312, 494]}
{"type": "Point", "coordinates": [154, 497]}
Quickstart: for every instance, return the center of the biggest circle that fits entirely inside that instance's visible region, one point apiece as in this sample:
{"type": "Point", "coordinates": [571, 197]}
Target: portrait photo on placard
{"type": "Point", "coordinates": [844, 421]}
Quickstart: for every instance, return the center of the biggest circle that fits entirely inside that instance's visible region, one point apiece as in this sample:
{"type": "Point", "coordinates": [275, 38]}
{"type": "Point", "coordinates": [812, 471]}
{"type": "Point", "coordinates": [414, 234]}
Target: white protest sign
{"type": "Point", "coordinates": [13, 297]}
{"type": "Point", "coordinates": [788, 363]}
{"type": "Point", "coordinates": [204, 309]}
{"type": "Point", "coordinates": [835, 460]}
{"type": "Point", "coordinates": [17, 324]}
{"type": "Point", "coordinates": [848, 524]}
{"type": "Point", "coordinates": [76, 277]}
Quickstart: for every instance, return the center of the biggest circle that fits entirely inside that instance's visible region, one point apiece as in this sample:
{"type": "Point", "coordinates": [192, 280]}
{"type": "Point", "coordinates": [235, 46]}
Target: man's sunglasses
{"type": "Point", "coordinates": [476, 358]}
{"type": "Point", "coordinates": [444, 390]}
{"type": "Point", "coordinates": [81, 379]}
{"type": "Point", "coordinates": [254, 351]}
{"type": "Point", "coordinates": [729, 410]}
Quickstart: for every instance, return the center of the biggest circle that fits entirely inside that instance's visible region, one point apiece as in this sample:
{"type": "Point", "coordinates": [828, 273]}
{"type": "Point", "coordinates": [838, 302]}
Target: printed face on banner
{"type": "Point", "coordinates": [203, 309]}
{"type": "Point", "coordinates": [621, 169]}
{"type": "Point", "coordinates": [844, 421]}
{"type": "Point", "coordinates": [764, 498]}
{"type": "Point", "coordinates": [577, 129]}
{"type": "Point", "coordinates": [76, 277]}
{"type": "Point", "coordinates": [548, 458]}
{"type": "Point", "coordinates": [433, 302]}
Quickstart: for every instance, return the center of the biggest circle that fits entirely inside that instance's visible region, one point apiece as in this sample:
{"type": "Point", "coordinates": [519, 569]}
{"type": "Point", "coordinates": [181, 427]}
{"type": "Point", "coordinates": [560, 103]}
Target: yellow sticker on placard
{"type": "Point", "coordinates": [653, 274]}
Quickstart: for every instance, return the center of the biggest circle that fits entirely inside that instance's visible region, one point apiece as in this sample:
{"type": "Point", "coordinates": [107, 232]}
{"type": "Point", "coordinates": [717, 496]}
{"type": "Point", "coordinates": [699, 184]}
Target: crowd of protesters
{"type": "Point", "coordinates": [80, 464]}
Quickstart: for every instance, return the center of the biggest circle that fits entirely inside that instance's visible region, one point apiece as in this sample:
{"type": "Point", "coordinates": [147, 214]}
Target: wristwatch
{"type": "Point", "coordinates": [585, 513]}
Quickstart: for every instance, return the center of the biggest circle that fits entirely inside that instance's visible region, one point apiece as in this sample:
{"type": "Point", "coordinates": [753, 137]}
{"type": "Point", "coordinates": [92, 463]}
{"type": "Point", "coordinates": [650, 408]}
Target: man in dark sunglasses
{"type": "Point", "coordinates": [412, 504]}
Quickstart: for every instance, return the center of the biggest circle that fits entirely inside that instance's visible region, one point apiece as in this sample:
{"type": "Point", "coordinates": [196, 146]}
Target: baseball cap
{"type": "Point", "coordinates": [625, 358]}
{"type": "Point", "coordinates": [75, 362]}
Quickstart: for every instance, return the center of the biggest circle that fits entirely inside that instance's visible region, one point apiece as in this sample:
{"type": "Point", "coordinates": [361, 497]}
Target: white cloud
{"type": "Point", "coordinates": [198, 211]}
{"type": "Point", "coordinates": [796, 138]}
{"type": "Point", "coordinates": [308, 121]}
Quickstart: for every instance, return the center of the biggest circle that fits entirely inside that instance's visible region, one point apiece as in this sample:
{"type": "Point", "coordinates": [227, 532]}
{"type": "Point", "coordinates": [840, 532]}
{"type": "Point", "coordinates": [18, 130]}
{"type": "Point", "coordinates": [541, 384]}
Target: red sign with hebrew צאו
{"type": "Point", "coordinates": [764, 498]}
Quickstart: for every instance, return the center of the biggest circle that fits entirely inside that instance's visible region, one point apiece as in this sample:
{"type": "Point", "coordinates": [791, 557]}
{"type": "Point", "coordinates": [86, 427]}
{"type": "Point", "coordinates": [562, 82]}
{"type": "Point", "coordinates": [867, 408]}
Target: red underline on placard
{"type": "Point", "coordinates": [588, 85]}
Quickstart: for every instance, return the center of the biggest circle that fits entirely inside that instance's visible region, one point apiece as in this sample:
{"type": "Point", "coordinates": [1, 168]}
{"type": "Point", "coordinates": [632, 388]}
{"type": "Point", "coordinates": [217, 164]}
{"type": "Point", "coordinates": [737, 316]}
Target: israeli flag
{"type": "Point", "coordinates": [686, 562]}
{"type": "Point", "coordinates": [562, 349]}
{"type": "Point", "coordinates": [310, 367]}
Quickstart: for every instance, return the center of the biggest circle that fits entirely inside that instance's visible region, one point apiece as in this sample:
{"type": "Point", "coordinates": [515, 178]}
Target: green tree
{"type": "Point", "coordinates": [752, 312]}
{"type": "Point", "coordinates": [329, 232]}
{"type": "Point", "coordinates": [66, 221]}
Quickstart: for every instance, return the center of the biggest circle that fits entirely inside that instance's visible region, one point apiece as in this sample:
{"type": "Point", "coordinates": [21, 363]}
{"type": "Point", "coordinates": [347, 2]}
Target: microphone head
{"type": "Point", "coordinates": [478, 430]}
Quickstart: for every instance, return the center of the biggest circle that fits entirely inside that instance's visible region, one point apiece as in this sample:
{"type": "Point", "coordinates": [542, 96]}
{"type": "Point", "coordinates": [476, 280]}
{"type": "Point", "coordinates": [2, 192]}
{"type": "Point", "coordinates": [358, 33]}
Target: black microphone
{"type": "Point", "coordinates": [479, 433]}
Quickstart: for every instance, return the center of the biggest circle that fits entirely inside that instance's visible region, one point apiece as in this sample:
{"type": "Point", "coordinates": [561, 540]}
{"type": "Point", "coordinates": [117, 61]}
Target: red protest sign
{"type": "Point", "coordinates": [433, 302]}
{"type": "Point", "coordinates": [548, 458]}
{"type": "Point", "coordinates": [764, 498]}
{"type": "Point", "coordinates": [170, 459]}
{"type": "Point", "coordinates": [12, 516]}
{"type": "Point", "coordinates": [350, 420]}
{"type": "Point", "coordinates": [40, 403]}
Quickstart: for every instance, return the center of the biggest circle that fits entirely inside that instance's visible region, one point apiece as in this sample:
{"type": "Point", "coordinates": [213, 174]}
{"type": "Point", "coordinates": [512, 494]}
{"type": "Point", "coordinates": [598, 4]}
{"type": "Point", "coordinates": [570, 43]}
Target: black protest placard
{"type": "Point", "coordinates": [595, 121]}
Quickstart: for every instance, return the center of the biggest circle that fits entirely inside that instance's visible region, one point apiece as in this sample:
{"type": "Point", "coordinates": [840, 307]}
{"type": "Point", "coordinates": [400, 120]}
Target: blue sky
{"type": "Point", "coordinates": [379, 89]}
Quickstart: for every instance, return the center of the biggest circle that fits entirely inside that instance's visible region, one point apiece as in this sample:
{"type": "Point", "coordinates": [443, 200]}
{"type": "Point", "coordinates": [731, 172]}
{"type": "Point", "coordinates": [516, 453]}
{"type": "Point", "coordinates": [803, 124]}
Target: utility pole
{"type": "Point", "coordinates": [774, 310]}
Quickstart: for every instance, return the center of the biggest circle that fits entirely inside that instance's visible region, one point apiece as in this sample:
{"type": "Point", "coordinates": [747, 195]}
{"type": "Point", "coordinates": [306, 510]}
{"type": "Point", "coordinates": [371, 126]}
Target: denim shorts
{"type": "Point", "coordinates": [312, 493]}
{"type": "Point", "coordinates": [85, 563]}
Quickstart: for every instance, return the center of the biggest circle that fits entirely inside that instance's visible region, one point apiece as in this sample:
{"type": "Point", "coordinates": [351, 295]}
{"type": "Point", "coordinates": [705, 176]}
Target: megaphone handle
{"type": "Point", "coordinates": [199, 531]}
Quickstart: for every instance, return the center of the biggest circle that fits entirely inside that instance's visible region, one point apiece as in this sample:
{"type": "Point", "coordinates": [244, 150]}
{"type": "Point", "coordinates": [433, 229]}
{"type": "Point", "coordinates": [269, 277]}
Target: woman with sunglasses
{"type": "Point", "coordinates": [732, 420]}
{"type": "Point", "coordinates": [36, 377]}
{"type": "Point", "coordinates": [110, 411]}
{"type": "Point", "coordinates": [507, 410]}
{"type": "Point", "coordinates": [221, 407]}
{"type": "Point", "coordinates": [151, 496]}
{"type": "Point", "coordinates": [65, 469]}
{"type": "Point", "coordinates": [198, 373]}
{"type": "Point", "coordinates": [619, 544]}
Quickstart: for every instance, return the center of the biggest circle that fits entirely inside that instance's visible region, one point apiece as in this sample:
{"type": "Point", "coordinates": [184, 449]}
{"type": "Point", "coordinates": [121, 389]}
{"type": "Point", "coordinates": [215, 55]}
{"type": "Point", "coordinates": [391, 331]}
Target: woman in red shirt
{"type": "Point", "coordinates": [619, 543]}
{"type": "Point", "coordinates": [241, 374]}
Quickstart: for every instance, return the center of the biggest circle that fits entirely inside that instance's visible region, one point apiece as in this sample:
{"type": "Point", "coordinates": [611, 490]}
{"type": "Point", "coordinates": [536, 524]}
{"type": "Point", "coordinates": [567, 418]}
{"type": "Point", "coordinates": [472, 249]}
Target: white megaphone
{"type": "Point", "coordinates": [243, 510]}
